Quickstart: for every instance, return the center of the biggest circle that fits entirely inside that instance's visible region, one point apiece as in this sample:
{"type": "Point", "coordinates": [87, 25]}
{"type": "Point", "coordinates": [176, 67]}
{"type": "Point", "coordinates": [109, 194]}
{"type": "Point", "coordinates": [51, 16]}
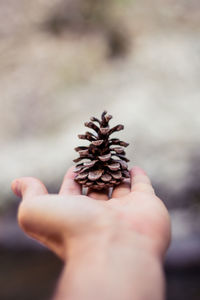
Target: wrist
{"type": "Point", "coordinates": [115, 262]}
{"type": "Point", "coordinates": [111, 239]}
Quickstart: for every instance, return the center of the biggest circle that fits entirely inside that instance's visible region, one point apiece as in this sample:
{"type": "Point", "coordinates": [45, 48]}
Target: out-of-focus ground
{"type": "Point", "coordinates": [64, 61]}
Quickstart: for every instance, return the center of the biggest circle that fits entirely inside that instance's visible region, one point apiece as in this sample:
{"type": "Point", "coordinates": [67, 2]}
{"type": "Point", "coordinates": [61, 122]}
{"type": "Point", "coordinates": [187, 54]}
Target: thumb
{"type": "Point", "coordinates": [28, 187]}
{"type": "Point", "coordinates": [33, 216]}
{"type": "Point", "coordinates": [30, 210]}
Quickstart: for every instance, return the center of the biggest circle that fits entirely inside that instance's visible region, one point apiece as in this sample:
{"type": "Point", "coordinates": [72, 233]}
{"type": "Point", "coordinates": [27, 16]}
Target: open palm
{"type": "Point", "coordinates": [58, 220]}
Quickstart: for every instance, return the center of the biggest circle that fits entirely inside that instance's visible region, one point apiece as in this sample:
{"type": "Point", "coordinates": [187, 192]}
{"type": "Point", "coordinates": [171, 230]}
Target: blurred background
{"type": "Point", "coordinates": [63, 61]}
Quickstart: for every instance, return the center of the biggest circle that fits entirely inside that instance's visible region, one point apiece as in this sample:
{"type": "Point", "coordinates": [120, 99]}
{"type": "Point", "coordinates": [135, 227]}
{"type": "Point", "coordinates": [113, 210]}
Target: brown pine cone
{"type": "Point", "coordinates": [104, 162]}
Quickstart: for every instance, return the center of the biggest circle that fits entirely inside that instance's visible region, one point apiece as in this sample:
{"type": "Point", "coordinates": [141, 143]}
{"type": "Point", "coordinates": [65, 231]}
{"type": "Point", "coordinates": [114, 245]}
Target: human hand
{"type": "Point", "coordinates": [63, 221]}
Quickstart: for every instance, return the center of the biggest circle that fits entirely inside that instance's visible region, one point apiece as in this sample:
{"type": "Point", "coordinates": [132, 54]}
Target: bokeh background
{"type": "Point", "coordinates": [62, 61]}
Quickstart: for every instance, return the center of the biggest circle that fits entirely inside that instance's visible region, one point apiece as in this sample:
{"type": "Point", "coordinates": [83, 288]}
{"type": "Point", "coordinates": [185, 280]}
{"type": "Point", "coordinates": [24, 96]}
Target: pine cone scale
{"type": "Point", "coordinates": [104, 130]}
{"type": "Point", "coordinates": [94, 175]}
{"type": "Point", "coordinates": [117, 175]}
{"type": "Point", "coordinates": [105, 157]}
{"type": "Point", "coordinates": [114, 167]}
{"type": "Point", "coordinates": [97, 143]}
{"type": "Point", "coordinates": [106, 177]}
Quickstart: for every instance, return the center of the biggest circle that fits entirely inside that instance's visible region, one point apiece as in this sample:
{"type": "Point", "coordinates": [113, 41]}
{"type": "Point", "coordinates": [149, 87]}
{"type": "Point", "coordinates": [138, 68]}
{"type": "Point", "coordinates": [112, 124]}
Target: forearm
{"type": "Point", "coordinates": [112, 269]}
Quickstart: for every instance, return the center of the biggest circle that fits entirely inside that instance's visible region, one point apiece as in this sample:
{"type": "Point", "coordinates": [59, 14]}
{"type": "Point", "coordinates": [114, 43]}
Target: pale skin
{"type": "Point", "coordinates": [112, 249]}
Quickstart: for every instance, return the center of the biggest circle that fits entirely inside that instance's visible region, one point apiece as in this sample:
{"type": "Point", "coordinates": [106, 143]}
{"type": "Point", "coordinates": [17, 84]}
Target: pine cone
{"type": "Point", "coordinates": [104, 161]}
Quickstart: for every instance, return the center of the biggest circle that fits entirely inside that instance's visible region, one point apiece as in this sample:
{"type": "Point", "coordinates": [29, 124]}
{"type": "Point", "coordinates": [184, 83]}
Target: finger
{"type": "Point", "coordinates": [28, 187]}
{"type": "Point", "coordinates": [140, 182]}
{"type": "Point", "coordinates": [69, 186]}
{"type": "Point", "coordinates": [123, 189]}
{"type": "Point", "coordinates": [98, 195]}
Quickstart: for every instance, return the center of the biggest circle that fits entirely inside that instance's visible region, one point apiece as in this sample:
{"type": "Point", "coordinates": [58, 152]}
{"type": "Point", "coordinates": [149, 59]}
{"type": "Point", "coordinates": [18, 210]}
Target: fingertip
{"type": "Point", "coordinates": [70, 174]}
{"type": "Point", "coordinates": [28, 186]}
{"type": "Point", "coordinates": [140, 180]}
{"type": "Point", "coordinates": [16, 187]}
{"type": "Point", "coordinates": [136, 170]}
